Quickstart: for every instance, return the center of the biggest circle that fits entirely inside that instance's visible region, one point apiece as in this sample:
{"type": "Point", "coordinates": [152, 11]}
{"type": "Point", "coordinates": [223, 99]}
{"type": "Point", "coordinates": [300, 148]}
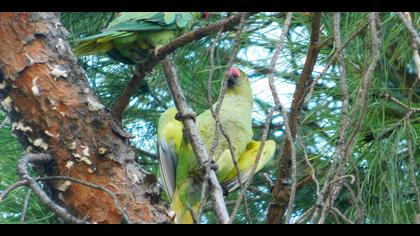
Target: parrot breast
{"type": "Point", "coordinates": [235, 117]}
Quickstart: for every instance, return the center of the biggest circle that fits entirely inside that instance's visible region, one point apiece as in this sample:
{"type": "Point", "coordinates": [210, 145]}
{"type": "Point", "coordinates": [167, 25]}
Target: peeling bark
{"type": "Point", "coordinates": [53, 110]}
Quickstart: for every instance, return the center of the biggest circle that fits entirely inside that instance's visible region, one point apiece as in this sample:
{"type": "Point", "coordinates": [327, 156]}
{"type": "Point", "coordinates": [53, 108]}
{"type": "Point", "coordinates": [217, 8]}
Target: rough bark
{"type": "Point", "coordinates": [53, 110]}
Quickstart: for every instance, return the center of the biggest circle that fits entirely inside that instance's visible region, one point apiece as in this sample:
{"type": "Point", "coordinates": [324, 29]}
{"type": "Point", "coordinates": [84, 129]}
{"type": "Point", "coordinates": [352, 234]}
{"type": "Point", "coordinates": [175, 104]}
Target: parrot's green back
{"type": "Point", "coordinates": [131, 36]}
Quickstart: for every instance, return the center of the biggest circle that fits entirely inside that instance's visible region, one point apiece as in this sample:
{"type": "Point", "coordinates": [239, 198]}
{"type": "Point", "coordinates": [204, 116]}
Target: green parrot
{"type": "Point", "coordinates": [181, 174]}
{"type": "Point", "coordinates": [132, 36]}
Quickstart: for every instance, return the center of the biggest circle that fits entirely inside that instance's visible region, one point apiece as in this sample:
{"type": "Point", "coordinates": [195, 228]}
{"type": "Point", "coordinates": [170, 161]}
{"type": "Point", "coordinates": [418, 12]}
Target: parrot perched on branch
{"type": "Point", "coordinates": [182, 176]}
{"type": "Point", "coordinates": [132, 36]}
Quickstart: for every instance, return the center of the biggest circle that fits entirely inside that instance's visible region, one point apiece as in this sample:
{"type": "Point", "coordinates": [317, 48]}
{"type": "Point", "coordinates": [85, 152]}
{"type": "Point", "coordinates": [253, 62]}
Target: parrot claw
{"type": "Point", "coordinates": [213, 165]}
{"type": "Point", "coordinates": [225, 191]}
{"type": "Point", "coordinates": [188, 115]}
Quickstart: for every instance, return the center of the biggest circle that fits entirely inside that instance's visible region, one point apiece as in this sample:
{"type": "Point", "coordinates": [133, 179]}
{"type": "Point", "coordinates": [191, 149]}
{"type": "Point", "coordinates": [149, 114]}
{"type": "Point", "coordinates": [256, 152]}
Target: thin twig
{"type": "Point", "coordinates": [359, 108]}
{"type": "Point", "coordinates": [414, 44]}
{"type": "Point", "coordinates": [342, 216]}
{"type": "Point", "coordinates": [12, 187]}
{"type": "Point", "coordinates": [406, 19]}
{"type": "Point", "coordinates": [39, 192]}
{"type": "Point", "coordinates": [389, 97]}
{"type": "Point", "coordinates": [216, 113]}
{"type": "Point", "coordinates": [203, 196]}
{"type": "Point", "coordinates": [305, 215]}
{"type": "Point", "coordinates": [278, 105]}
{"type": "Point", "coordinates": [254, 167]}
{"type": "Point", "coordinates": [335, 57]}
{"type": "Point", "coordinates": [142, 152]}
{"type": "Point", "coordinates": [61, 212]}
{"type": "Point", "coordinates": [94, 186]}
{"type": "Point", "coordinates": [356, 202]}
{"type": "Point", "coordinates": [412, 165]}
{"type": "Point", "coordinates": [277, 206]}
{"type": "Point", "coordinates": [25, 206]}
{"type": "Point", "coordinates": [311, 167]}
{"type": "Point", "coordinates": [340, 153]}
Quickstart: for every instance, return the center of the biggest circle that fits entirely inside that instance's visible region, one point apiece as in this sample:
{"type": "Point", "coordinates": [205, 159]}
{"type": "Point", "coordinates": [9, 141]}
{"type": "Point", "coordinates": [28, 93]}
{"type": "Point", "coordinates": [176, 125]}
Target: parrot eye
{"type": "Point", "coordinates": [204, 15]}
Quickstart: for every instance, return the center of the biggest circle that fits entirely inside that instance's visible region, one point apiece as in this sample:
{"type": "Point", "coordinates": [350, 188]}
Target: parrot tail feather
{"type": "Point", "coordinates": [183, 214]}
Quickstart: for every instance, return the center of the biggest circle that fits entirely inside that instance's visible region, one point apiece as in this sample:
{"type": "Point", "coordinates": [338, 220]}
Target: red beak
{"type": "Point", "coordinates": [234, 72]}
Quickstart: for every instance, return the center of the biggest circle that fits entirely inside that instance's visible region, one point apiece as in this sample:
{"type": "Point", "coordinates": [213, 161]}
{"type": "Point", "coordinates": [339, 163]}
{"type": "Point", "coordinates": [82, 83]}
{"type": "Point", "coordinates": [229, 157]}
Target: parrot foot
{"type": "Point", "coordinates": [183, 116]}
{"type": "Point", "coordinates": [225, 191]}
{"type": "Point", "coordinates": [213, 165]}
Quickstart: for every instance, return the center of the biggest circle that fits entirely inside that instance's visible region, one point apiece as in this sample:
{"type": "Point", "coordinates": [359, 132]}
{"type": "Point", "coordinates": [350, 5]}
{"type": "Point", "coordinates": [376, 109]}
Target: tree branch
{"type": "Point", "coordinates": [281, 191]}
{"type": "Point", "coordinates": [359, 108]}
{"type": "Point", "coordinates": [25, 205]}
{"type": "Point", "coordinates": [38, 191]}
{"type": "Point", "coordinates": [203, 196]}
{"type": "Point", "coordinates": [197, 143]}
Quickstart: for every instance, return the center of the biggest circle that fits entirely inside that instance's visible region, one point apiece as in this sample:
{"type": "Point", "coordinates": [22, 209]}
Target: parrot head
{"type": "Point", "coordinates": [236, 77]}
{"type": "Point", "coordinates": [238, 83]}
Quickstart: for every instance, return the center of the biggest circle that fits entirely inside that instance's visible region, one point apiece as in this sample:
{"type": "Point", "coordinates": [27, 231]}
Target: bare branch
{"type": "Point", "coordinates": [94, 186]}
{"type": "Point", "coordinates": [335, 57]}
{"type": "Point", "coordinates": [357, 203]}
{"type": "Point", "coordinates": [268, 180]}
{"type": "Point", "coordinates": [344, 120]}
{"type": "Point", "coordinates": [25, 205]}
{"type": "Point", "coordinates": [277, 205]}
{"type": "Point", "coordinates": [412, 163]}
{"type": "Point", "coordinates": [305, 215]}
{"type": "Point", "coordinates": [203, 196]}
{"type": "Point", "coordinates": [269, 117]}
{"type": "Point", "coordinates": [254, 167]}
{"type": "Point", "coordinates": [406, 19]}
{"type": "Point", "coordinates": [54, 207]}
{"type": "Point", "coordinates": [12, 187]}
{"type": "Point", "coordinates": [142, 152]}
{"type": "Point", "coordinates": [197, 143]}
{"type": "Point", "coordinates": [39, 192]}
{"type": "Point", "coordinates": [359, 108]}
{"type": "Point", "coordinates": [389, 97]}
{"type": "Point", "coordinates": [342, 216]}
{"type": "Point", "coordinates": [415, 44]}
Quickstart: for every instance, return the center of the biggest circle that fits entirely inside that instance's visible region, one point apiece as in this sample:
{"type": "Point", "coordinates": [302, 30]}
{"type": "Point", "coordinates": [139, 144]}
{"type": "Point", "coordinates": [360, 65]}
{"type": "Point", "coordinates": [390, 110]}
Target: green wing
{"type": "Point", "coordinates": [246, 162]}
{"type": "Point", "coordinates": [169, 142]}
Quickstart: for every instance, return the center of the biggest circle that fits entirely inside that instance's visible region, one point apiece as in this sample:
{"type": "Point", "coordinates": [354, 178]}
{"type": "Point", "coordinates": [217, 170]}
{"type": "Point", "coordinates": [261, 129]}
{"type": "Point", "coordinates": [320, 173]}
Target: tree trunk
{"type": "Point", "coordinates": [53, 110]}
